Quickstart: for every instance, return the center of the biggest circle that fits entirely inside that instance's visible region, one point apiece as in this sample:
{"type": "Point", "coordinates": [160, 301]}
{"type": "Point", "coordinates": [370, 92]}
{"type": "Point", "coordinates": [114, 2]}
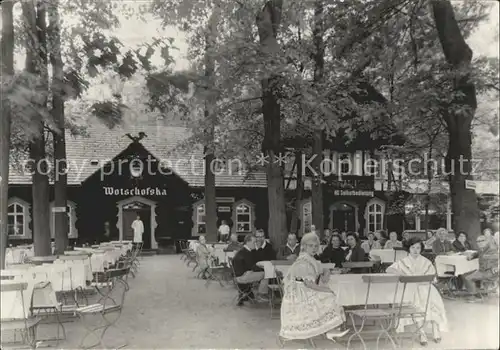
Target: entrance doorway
{"type": "Point", "coordinates": [343, 217]}
{"type": "Point", "coordinates": [130, 212]}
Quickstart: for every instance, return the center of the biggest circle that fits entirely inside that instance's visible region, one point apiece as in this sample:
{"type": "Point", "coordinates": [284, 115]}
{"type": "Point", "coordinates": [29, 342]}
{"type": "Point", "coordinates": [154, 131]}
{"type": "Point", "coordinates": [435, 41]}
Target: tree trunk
{"type": "Point", "coordinates": [319, 67]}
{"type": "Point", "coordinates": [7, 51]}
{"type": "Point", "coordinates": [268, 23]}
{"type": "Point", "coordinates": [299, 193]}
{"type": "Point", "coordinates": [60, 179]}
{"type": "Point", "coordinates": [458, 117]}
{"type": "Point", "coordinates": [36, 64]}
{"type": "Point", "coordinates": [210, 193]}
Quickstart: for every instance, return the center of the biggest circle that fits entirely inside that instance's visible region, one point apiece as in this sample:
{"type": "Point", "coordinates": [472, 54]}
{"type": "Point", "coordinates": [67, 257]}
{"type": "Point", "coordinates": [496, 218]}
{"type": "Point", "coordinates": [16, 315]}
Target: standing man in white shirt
{"type": "Point", "coordinates": [138, 228]}
{"type": "Point", "coordinates": [224, 231]}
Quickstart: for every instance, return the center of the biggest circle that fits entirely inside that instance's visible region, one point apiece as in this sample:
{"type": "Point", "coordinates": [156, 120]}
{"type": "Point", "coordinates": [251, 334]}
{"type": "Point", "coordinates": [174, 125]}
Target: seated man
{"type": "Point", "coordinates": [291, 250]}
{"type": "Point", "coordinates": [488, 265]}
{"type": "Point", "coordinates": [233, 245]}
{"type": "Point", "coordinates": [245, 270]}
{"type": "Point", "coordinates": [264, 250]}
{"type": "Point", "coordinates": [442, 245]}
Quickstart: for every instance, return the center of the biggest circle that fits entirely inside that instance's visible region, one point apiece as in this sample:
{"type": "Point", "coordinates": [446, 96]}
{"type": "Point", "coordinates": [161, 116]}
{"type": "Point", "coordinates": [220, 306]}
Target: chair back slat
{"type": "Point", "coordinates": [382, 278]}
{"type": "Point", "coordinates": [416, 279]}
{"type": "Point", "coordinates": [117, 272]}
{"type": "Point", "coordinates": [358, 264]}
{"type": "Point", "coordinates": [13, 287]}
{"type": "Point", "coordinates": [282, 262]}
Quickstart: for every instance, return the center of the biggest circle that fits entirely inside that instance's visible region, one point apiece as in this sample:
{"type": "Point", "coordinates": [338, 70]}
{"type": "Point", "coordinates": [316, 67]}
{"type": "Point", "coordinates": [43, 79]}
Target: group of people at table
{"type": "Point", "coordinates": [309, 307]}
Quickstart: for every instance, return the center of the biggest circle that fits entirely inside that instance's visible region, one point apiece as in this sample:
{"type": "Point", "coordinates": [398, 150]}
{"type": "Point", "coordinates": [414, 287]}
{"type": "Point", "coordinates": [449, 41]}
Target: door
{"type": "Point", "coordinates": [130, 212]}
{"type": "Point", "coordinates": [344, 217]}
{"type": "Point", "coordinates": [224, 212]}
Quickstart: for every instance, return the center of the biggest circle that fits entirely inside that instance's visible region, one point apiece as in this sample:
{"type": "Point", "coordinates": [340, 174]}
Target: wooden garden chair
{"type": "Point", "coordinates": [14, 297]}
{"type": "Point", "coordinates": [107, 310]}
{"type": "Point", "coordinates": [384, 317]}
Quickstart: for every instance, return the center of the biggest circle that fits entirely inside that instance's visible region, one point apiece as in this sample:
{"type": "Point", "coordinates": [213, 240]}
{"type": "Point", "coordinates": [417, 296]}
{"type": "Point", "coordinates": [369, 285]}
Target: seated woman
{"type": "Point", "coordinates": [393, 241]}
{"type": "Point", "coordinates": [333, 253]}
{"type": "Point", "coordinates": [430, 240]}
{"type": "Point", "coordinates": [413, 265]}
{"type": "Point", "coordinates": [309, 307]}
{"type": "Point", "coordinates": [461, 243]}
{"type": "Point", "coordinates": [370, 243]}
{"type": "Point", "coordinates": [204, 255]}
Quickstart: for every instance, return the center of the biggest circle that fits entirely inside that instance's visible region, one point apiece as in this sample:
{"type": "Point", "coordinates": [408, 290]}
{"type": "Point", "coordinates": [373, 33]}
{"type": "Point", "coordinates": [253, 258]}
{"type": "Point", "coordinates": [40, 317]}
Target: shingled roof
{"type": "Point", "coordinates": [87, 154]}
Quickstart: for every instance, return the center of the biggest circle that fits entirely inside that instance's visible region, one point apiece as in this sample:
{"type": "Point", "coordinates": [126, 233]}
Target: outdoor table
{"type": "Point", "coordinates": [12, 302]}
{"type": "Point", "coordinates": [39, 260]}
{"type": "Point", "coordinates": [387, 256]}
{"type": "Point", "coordinates": [77, 252]}
{"type": "Point", "coordinates": [16, 255]}
{"type": "Point", "coordinates": [457, 263]}
{"type": "Point", "coordinates": [282, 266]}
{"type": "Point", "coordinates": [350, 290]}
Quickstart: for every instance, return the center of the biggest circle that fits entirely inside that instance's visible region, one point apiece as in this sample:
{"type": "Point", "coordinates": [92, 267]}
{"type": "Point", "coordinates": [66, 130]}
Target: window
{"type": "Point", "coordinates": [16, 219]}
{"type": "Point", "coordinates": [69, 222]}
{"type": "Point", "coordinates": [375, 217]}
{"type": "Point", "coordinates": [306, 217]}
{"type": "Point", "coordinates": [371, 166]}
{"type": "Point", "coordinates": [71, 215]}
{"type": "Point", "coordinates": [200, 219]}
{"type": "Point", "coordinates": [345, 164]}
{"type": "Point", "coordinates": [243, 218]}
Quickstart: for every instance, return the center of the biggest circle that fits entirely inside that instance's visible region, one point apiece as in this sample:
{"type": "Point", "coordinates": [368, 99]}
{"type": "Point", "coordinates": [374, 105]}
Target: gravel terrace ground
{"type": "Point", "coordinates": [168, 308]}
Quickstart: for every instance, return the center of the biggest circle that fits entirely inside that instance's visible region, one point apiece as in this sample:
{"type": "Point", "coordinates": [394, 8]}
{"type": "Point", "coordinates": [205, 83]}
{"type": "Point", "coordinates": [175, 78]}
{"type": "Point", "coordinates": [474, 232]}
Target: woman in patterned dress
{"type": "Point", "coordinates": [414, 265]}
{"type": "Point", "coordinates": [309, 306]}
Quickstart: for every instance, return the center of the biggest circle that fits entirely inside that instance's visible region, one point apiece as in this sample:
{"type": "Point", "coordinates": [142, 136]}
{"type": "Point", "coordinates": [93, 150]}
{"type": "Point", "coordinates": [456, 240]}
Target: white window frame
{"type": "Point", "coordinates": [73, 233]}
{"type": "Point", "coordinates": [351, 163]}
{"type": "Point", "coordinates": [249, 222]}
{"type": "Point", "coordinates": [15, 214]}
{"type": "Point", "coordinates": [251, 207]}
{"type": "Point", "coordinates": [373, 203]}
{"type": "Point", "coordinates": [199, 212]}
{"type": "Point", "coordinates": [307, 204]}
{"type": "Point", "coordinates": [27, 218]}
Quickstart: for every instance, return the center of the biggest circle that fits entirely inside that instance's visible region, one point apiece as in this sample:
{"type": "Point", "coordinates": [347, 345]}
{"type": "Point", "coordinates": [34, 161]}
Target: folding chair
{"type": "Point", "coordinates": [15, 312]}
{"type": "Point", "coordinates": [104, 308]}
{"type": "Point", "coordinates": [383, 316]}
{"type": "Point", "coordinates": [276, 289]}
{"type": "Point", "coordinates": [245, 291]}
{"type": "Point", "coordinates": [191, 258]}
{"type": "Point", "coordinates": [131, 261]}
{"type": "Point", "coordinates": [409, 310]}
{"type": "Point", "coordinates": [184, 249]}
{"type": "Point", "coordinates": [359, 266]}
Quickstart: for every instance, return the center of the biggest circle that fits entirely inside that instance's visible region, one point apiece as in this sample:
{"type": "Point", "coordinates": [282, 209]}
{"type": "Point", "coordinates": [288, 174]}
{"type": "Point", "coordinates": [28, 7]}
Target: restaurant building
{"type": "Point", "coordinates": [148, 170]}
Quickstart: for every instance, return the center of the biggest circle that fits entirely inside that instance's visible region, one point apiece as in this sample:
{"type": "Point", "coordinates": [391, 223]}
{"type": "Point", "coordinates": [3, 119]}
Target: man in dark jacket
{"type": "Point", "coordinates": [488, 265]}
{"type": "Point", "coordinates": [264, 250]}
{"type": "Point", "coordinates": [291, 250]}
{"type": "Point", "coordinates": [246, 271]}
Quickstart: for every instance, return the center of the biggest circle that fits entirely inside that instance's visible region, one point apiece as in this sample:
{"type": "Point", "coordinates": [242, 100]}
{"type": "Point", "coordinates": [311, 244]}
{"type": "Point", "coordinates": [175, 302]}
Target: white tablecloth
{"type": "Point", "coordinates": [38, 293]}
{"type": "Point", "coordinates": [270, 269]}
{"type": "Point", "coordinates": [219, 253]}
{"type": "Point", "coordinates": [16, 255]}
{"type": "Point", "coordinates": [387, 255]}
{"type": "Point", "coordinates": [457, 263]}
{"type": "Point", "coordinates": [351, 290]}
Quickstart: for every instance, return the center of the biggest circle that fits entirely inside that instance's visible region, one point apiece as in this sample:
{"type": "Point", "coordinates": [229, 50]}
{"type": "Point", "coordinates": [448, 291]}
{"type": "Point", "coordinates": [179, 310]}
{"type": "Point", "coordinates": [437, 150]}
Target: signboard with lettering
{"type": "Point", "coordinates": [470, 185]}
{"type": "Point", "coordinates": [224, 209]}
{"type": "Point", "coordinates": [353, 193]}
{"type": "Point", "coordinates": [59, 209]}
{"type": "Point", "coordinates": [350, 185]}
